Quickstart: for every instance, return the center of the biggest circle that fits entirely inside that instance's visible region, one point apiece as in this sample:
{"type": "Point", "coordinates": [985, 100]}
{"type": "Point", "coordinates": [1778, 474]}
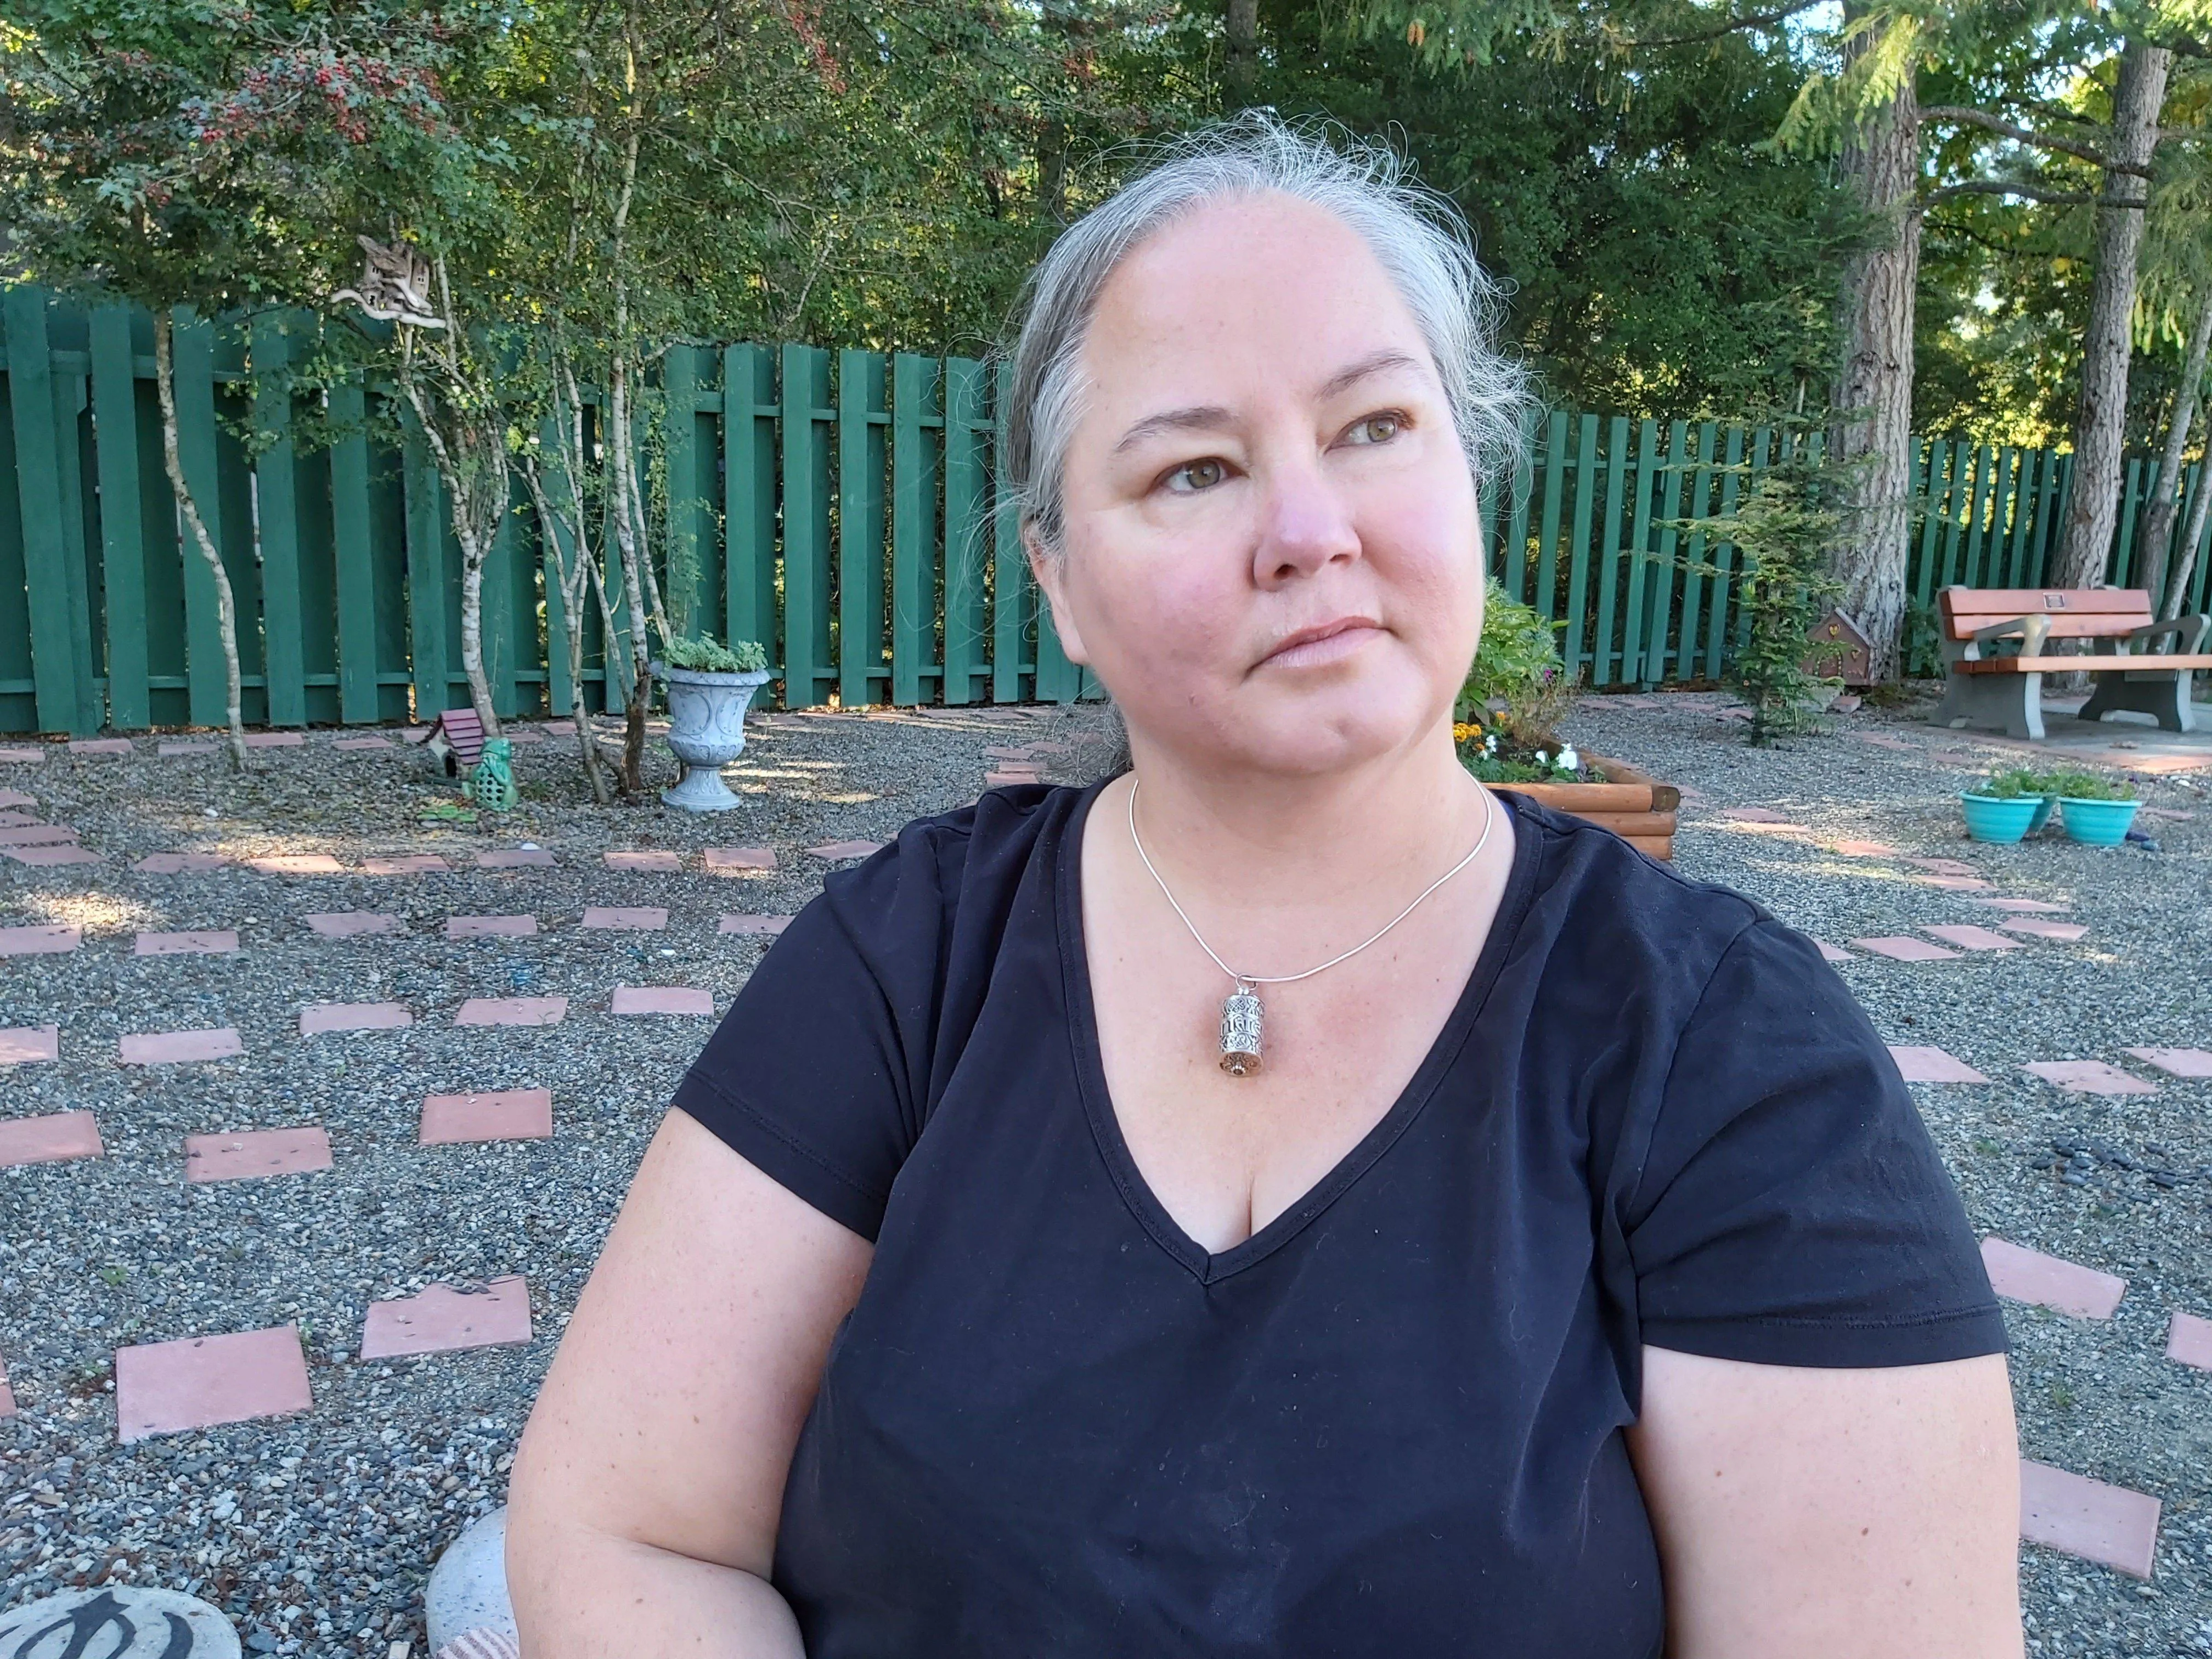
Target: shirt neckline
{"type": "Point", "coordinates": [1208, 1267]}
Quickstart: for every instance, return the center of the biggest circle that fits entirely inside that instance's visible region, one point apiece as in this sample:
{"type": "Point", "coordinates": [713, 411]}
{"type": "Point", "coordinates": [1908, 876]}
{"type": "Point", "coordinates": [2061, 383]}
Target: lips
{"type": "Point", "coordinates": [1324, 642]}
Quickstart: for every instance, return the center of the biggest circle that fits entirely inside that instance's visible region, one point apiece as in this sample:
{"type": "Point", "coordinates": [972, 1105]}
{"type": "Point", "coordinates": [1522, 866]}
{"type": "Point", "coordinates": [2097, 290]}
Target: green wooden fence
{"type": "Point", "coordinates": [840, 507]}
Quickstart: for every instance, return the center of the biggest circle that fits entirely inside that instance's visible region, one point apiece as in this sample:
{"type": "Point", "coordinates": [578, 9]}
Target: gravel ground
{"type": "Point", "coordinates": [2098, 1398]}
{"type": "Point", "coordinates": [317, 1532]}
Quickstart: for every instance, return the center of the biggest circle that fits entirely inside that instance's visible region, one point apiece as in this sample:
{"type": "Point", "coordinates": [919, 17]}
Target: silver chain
{"type": "Point", "coordinates": [1489, 819]}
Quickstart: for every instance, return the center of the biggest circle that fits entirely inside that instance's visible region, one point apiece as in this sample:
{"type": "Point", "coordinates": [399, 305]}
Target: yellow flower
{"type": "Point", "coordinates": [1467, 732]}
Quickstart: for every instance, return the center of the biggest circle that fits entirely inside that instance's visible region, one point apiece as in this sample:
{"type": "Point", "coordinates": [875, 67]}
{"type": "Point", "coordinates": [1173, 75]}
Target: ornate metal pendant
{"type": "Point", "coordinates": [1241, 1019]}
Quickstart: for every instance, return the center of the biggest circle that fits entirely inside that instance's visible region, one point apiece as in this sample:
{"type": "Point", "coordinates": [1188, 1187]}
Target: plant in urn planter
{"type": "Point", "coordinates": [708, 687]}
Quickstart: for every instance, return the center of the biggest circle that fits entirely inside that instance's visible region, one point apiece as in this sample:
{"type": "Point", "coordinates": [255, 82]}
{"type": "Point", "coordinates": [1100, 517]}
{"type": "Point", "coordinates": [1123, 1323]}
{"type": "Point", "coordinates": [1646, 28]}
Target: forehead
{"type": "Point", "coordinates": [1268, 287]}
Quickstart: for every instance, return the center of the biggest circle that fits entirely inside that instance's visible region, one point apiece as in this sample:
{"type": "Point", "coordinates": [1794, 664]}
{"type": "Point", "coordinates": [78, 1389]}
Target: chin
{"type": "Point", "coordinates": [1315, 736]}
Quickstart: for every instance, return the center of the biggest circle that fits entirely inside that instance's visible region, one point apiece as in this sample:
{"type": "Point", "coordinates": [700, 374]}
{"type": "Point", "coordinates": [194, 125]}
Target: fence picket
{"type": "Point", "coordinates": [808, 659]}
{"type": "Point", "coordinates": [1575, 652]}
{"type": "Point", "coordinates": [277, 505]}
{"type": "Point", "coordinates": [966, 430]}
{"type": "Point", "coordinates": [862, 413]}
{"type": "Point", "coordinates": [914, 526]}
{"type": "Point", "coordinates": [1546, 599]}
{"type": "Point", "coordinates": [123, 520]}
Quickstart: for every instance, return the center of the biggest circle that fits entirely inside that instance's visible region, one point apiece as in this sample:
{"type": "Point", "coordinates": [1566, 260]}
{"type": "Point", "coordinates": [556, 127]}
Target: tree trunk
{"type": "Point", "coordinates": [1243, 32]}
{"type": "Point", "coordinates": [1872, 393]}
{"type": "Point", "coordinates": [2157, 527]}
{"type": "Point", "coordinates": [2100, 426]}
{"type": "Point", "coordinates": [2192, 533]}
{"type": "Point", "coordinates": [226, 605]}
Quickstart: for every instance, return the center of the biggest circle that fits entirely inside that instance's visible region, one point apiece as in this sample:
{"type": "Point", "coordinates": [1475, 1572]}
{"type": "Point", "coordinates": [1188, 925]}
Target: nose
{"type": "Point", "coordinates": [1305, 525]}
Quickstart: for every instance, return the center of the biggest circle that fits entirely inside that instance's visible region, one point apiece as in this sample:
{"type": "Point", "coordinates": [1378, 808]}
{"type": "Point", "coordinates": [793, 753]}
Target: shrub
{"type": "Point", "coordinates": [2087, 785]}
{"type": "Point", "coordinates": [1516, 664]}
{"type": "Point", "coordinates": [704, 656]}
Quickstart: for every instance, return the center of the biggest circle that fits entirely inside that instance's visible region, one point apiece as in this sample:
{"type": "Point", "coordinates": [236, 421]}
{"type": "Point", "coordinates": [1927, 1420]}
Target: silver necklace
{"type": "Point", "coordinates": [1243, 1016]}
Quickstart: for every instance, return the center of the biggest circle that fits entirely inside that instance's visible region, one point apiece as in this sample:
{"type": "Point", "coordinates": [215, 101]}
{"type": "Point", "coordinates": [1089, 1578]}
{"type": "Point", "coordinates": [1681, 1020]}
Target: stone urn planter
{"type": "Point", "coordinates": [1633, 805]}
{"type": "Point", "coordinates": [707, 730]}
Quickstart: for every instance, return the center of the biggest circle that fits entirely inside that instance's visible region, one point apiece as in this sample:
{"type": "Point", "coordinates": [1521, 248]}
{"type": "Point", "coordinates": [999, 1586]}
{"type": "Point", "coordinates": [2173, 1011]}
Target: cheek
{"type": "Point", "coordinates": [1157, 600]}
{"type": "Point", "coordinates": [1426, 551]}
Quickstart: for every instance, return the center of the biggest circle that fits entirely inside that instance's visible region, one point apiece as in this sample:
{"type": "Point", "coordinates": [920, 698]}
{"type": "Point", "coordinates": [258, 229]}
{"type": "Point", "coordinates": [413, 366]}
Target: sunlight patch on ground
{"type": "Point", "coordinates": [94, 913]}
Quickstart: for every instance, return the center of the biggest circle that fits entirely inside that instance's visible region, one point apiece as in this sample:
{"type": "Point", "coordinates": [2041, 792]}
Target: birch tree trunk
{"type": "Point", "coordinates": [2157, 527]}
{"type": "Point", "coordinates": [1872, 393]}
{"type": "Point", "coordinates": [226, 604]}
{"type": "Point", "coordinates": [2192, 533]}
{"type": "Point", "coordinates": [2099, 425]}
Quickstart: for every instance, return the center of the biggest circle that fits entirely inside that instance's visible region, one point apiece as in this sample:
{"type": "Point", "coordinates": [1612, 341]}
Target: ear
{"type": "Point", "coordinates": [1051, 579]}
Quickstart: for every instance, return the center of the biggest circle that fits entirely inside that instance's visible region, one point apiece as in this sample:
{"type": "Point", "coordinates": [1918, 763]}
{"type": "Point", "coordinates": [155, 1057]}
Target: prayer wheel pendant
{"type": "Point", "coordinates": [1242, 1018]}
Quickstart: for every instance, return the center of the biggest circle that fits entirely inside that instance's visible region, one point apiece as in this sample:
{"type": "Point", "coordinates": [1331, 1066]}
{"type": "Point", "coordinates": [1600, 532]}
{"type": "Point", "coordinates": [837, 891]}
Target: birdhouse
{"type": "Point", "coordinates": [456, 738]}
{"type": "Point", "coordinates": [1840, 648]}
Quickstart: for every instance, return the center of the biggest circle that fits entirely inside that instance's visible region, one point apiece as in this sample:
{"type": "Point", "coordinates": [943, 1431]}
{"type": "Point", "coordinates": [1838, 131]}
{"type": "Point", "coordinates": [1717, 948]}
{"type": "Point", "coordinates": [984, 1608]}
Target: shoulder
{"type": "Point", "coordinates": [939, 869]}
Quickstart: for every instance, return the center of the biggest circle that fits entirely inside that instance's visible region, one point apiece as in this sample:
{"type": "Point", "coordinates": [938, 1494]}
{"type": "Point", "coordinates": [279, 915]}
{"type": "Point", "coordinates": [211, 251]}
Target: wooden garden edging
{"type": "Point", "coordinates": [1632, 803]}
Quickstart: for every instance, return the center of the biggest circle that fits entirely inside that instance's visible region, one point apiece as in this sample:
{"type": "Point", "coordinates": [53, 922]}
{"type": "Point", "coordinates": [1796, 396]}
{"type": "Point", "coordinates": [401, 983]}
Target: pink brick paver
{"type": "Point", "coordinates": [1831, 953]}
{"type": "Point", "coordinates": [44, 858]}
{"type": "Point", "coordinates": [167, 1047]}
{"type": "Point", "coordinates": [1903, 948]}
{"type": "Point", "coordinates": [2064, 933]}
{"type": "Point", "coordinates": [558, 728]}
{"type": "Point", "coordinates": [16, 797]}
{"type": "Point", "coordinates": [197, 1382]}
{"type": "Point", "coordinates": [2177, 1062]}
{"type": "Point", "coordinates": [1883, 740]}
{"type": "Point", "coordinates": [1007, 780]}
{"type": "Point", "coordinates": [1020, 754]}
{"type": "Point", "coordinates": [350, 924]}
{"type": "Point", "coordinates": [179, 864]}
{"type": "Point", "coordinates": [1918, 1064]}
{"type": "Point", "coordinates": [722, 860]}
{"type": "Point", "coordinates": [503, 1115]}
{"type": "Point", "coordinates": [665, 863]}
{"type": "Point", "coordinates": [52, 1138]}
{"type": "Point", "coordinates": [2109, 1525]}
{"type": "Point", "coordinates": [21, 756]}
{"type": "Point", "coordinates": [407, 864]}
{"type": "Point", "coordinates": [635, 919]}
{"type": "Point", "coordinates": [443, 1319]}
{"type": "Point", "coordinates": [251, 1153]}
{"type": "Point", "coordinates": [298, 863]}
{"type": "Point", "coordinates": [100, 745]}
{"type": "Point", "coordinates": [362, 746]}
{"type": "Point", "coordinates": [490, 926]}
{"type": "Point", "coordinates": [27, 1045]}
{"type": "Point", "coordinates": [2024, 1275]}
{"type": "Point", "coordinates": [275, 740]}
{"type": "Point", "coordinates": [2189, 1340]}
{"type": "Point", "coordinates": [1955, 884]}
{"type": "Point", "coordinates": [7, 1395]}
{"type": "Point", "coordinates": [836, 850]}
{"type": "Point", "coordinates": [318, 1018]}
{"type": "Point", "coordinates": [1967, 937]}
{"type": "Point", "coordinates": [513, 1010]}
{"type": "Point", "coordinates": [171, 746]}
{"type": "Point", "coordinates": [38, 941]}
{"type": "Point", "coordinates": [2089, 1077]}
{"type": "Point", "coordinates": [514, 858]}
{"type": "Point", "coordinates": [1862, 849]}
{"type": "Point", "coordinates": [209, 942]}
{"type": "Point", "coordinates": [1943, 866]}
{"type": "Point", "coordinates": [660, 999]}
{"type": "Point", "coordinates": [1753, 815]}
{"type": "Point", "coordinates": [37, 835]}
{"type": "Point", "coordinates": [2020, 905]}
{"type": "Point", "coordinates": [752, 924]}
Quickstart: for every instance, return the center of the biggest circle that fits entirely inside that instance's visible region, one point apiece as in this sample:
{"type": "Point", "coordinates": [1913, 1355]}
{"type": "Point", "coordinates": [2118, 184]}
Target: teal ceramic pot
{"type": "Point", "coordinates": [2043, 805]}
{"type": "Point", "coordinates": [2097, 822]}
{"type": "Point", "coordinates": [1998, 818]}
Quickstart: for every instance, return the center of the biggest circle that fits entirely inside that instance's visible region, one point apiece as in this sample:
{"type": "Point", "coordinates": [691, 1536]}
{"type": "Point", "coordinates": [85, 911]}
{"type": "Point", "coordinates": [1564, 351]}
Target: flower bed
{"type": "Point", "coordinates": [1633, 805]}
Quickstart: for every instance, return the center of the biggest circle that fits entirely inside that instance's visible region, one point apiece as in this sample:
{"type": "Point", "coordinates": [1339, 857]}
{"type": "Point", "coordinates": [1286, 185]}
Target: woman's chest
{"type": "Point", "coordinates": [1399, 1413]}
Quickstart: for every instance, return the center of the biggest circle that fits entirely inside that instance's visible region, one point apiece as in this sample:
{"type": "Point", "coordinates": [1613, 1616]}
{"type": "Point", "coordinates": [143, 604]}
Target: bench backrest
{"type": "Point", "coordinates": [2077, 613]}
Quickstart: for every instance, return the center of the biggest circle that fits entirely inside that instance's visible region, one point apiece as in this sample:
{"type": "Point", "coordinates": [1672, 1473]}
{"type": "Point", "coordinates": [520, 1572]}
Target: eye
{"type": "Point", "coordinates": [1375, 428]}
{"type": "Point", "coordinates": [1194, 476]}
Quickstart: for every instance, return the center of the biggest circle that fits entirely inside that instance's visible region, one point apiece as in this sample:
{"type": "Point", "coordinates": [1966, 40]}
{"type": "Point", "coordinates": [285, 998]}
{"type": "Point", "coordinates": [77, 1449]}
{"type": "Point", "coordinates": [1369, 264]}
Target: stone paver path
{"type": "Point", "coordinates": [197, 1382]}
{"type": "Point", "coordinates": [253, 1152]}
{"type": "Point", "coordinates": [2026, 1275]}
{"type": "Point", "coordinates": [501, 1114]}
{"type": "Point", "coordinates": [174, 1048]}
{"type": "Point", "coordinates": [2087, 1518]}
{"type": "Point", "coordinates": [443, 1319]}
{"type": "Point", "coordinates": [53, 1137]}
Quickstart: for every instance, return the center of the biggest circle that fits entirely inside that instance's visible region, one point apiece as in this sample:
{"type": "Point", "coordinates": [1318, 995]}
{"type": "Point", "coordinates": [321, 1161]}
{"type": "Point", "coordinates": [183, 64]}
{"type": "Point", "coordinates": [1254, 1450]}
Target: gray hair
{"type": "Point", "coordinates": [1417, 237]}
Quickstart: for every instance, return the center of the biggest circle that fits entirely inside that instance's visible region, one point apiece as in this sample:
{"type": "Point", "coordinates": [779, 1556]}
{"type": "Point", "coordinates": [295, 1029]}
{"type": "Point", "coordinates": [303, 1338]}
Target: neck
{"type": "Point", "coordinates": [1286, 844]}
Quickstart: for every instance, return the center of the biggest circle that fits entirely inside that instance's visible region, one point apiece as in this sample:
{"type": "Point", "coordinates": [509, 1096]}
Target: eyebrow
{"type": "Point", "coordinates": [1213, 417]}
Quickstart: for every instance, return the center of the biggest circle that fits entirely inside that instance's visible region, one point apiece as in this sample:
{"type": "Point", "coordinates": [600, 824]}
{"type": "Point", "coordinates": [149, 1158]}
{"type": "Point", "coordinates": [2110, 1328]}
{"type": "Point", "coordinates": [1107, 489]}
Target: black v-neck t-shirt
{"type": "Point", "coordinates": [1389, 1423]}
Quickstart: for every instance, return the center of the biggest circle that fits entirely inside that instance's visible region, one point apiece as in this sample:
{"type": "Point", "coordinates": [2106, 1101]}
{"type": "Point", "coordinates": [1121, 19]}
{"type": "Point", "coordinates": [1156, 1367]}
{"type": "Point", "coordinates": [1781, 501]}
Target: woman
{"type": "Point", "coordinates": [1283, 1199]}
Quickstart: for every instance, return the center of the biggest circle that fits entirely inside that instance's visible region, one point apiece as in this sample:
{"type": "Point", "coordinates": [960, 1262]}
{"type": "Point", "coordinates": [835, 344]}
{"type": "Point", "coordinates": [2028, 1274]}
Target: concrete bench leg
{"type": "Point", "coordinates": [2163, 693]}
{"type": "Point", "coordinates": [2010, 703]}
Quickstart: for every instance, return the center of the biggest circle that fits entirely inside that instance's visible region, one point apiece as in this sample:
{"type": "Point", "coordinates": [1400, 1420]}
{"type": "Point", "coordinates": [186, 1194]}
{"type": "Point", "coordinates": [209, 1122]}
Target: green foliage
{"type": "Point", "coordinates": [1519, 652]}
{"type": "Point", "coordinates": [2010, 785]}
{"type": "Point", "coordinates": [701, 655]}
{"type": "Point", "coordinates": [1786, 531]}
{"type": "Point", "coordinates": [1923, 648]}
{"type": "Point", "coordinates": [2089, 785]}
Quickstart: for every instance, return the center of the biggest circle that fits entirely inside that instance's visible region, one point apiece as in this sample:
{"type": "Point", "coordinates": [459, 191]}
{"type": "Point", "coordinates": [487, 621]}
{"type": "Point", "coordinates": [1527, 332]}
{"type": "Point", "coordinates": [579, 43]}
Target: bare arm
{"type": "Point", "coordinates": [642, 1513]}
{"type": "Point", "coordinates": [1854, 1514]}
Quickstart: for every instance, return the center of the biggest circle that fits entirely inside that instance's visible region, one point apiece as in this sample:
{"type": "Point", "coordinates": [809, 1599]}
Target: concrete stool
{"type": "Point", "coordinates": [470, 1615]}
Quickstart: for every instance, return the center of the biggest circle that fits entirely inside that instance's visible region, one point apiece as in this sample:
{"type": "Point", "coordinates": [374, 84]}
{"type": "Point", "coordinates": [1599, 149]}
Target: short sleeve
{"type": "Point", "coordinates": [817, 1074]}
{"type": "Point", "coordinates": [1791, 1209]}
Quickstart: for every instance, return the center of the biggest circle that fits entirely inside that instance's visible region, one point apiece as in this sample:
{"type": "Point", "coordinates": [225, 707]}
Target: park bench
{"type": "Point", "coordinates": [1993, 641]}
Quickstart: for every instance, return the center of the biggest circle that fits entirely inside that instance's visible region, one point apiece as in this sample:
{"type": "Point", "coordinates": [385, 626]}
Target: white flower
{"type": "Point", "coordinates": [1570, 761]}
{"type": "Point", "coordinates": [1490, 744]}
{"type": "Point", "coordinates": [1541, 759]}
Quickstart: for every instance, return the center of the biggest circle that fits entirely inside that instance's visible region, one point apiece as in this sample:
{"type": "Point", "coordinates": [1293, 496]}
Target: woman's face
{"type": "Point", "coordinates": [1271, 554]}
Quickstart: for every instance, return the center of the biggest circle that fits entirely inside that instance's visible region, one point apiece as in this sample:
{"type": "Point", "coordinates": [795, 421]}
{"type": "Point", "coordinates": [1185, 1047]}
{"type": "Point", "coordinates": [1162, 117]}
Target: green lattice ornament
{"type": "Point", "coordinates": [490, 782]}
